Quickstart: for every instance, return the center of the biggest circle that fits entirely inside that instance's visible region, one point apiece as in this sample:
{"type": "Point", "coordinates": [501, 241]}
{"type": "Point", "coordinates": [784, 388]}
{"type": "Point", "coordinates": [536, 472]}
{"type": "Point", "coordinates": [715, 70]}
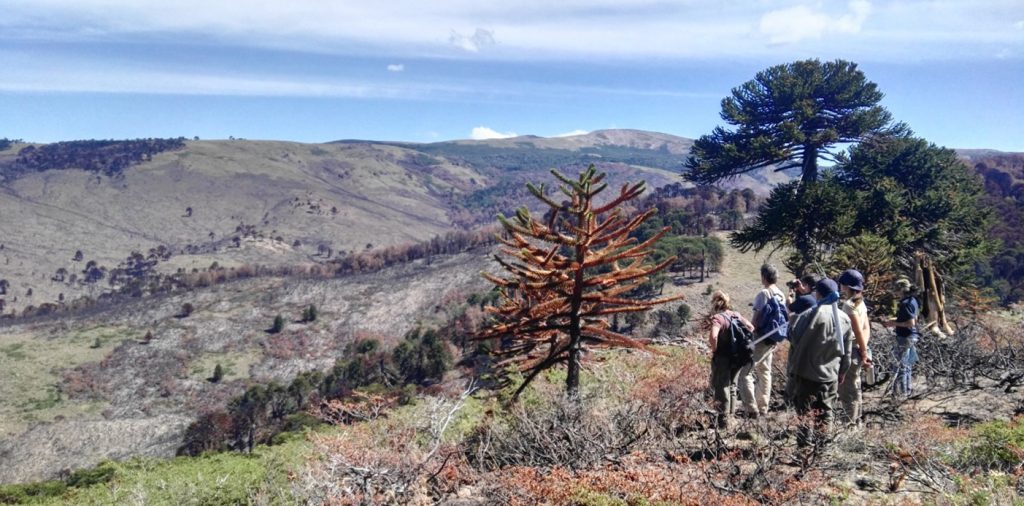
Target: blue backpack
{"type": "Point", "coordinates": [774, 319]}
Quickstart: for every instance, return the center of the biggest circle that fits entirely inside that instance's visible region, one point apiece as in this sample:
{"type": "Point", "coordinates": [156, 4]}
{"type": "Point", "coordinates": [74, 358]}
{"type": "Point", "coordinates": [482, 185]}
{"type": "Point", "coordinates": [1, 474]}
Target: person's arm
{"type": "Point", "coordinates": [713, 337]}
{"type": "Point", "coordinates": [909, 324]}
{"type": "Point", "coordinates": [861, 338]}
{"type": "Point", "coordinates": [760, 301]}
{"type": "Point", "coordinates": [844, 361]}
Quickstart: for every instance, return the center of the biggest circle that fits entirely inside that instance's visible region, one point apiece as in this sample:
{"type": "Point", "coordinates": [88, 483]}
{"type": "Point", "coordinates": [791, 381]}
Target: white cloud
{"type": "Point", "coordinates": [800, 22]}
{"type": "Point", "coordinates": [396, 67]}
{"type": "Point", "coordinates": [473, 43]}
{"type": "Point", "coordinates": [539, 29]}
{"type": "Point", "coordinates": [482, 133]}
{"type": "Point", "coordinates": [572, 133]}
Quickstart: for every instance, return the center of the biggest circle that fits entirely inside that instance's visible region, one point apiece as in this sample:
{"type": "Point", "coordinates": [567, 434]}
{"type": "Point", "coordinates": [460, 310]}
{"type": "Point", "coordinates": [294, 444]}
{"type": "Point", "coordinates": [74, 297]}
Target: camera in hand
{"type": "Point", "coordinates": [793, 284]}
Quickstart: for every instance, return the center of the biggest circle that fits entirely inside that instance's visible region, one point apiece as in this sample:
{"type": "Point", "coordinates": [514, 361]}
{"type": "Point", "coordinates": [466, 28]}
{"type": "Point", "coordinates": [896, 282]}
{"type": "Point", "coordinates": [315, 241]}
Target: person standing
{"type": "Point", "coordinates": [755, 381]}
{"type": "Point", "coordinates": [803, 291]}
{"type": "Point", "coordinates": [723, 324]}
{"type": "Point", "coordinates": [907, 334]}
{"type": "Point", "coordinates": [851, 283]}
{"type": "Point", "coordinates": [819, 354]}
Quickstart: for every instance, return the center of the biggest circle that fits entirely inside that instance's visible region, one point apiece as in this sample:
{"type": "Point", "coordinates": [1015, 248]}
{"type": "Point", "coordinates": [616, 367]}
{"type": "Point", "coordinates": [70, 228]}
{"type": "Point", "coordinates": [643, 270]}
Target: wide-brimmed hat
{"type": "Point", "coordinates": [853, 279]}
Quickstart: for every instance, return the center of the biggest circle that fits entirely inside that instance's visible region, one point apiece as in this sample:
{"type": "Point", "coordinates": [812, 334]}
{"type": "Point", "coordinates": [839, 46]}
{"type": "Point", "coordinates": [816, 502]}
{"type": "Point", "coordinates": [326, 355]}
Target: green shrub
{"type": "Point", "coordinates": [994, 445]}
{"type": "Point", "coordinates": [85, 477]}
{"type": "Point", "coordinates": [25, 492]}
{"type": "Point", "coordinates": [684, 312]}
{"type": "Point", "coordinates": [278, 325]}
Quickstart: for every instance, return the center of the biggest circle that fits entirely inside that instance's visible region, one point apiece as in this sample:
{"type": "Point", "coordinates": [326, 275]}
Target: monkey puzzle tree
{"type": "Point", "coordinates": [790, 116]}
{"type": "Point", "coordinates": [566, 273]}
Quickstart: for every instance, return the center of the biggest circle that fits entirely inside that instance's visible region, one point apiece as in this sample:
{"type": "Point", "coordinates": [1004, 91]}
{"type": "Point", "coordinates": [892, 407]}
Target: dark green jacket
{"type": "Point", "coordinates": [814, 351]}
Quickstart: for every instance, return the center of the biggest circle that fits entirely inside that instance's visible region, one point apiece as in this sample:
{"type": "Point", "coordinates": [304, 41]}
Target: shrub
{"type": "Point", "coordinates": [683, 312]}
{"type": "Point", "coordinates": [309, 314]}
{"type": "Point", "coordinates": [278, 325]}
{"type": "Point", "coordinates": [994, 445]}
{"type": "Point", "coordinates": [102, 473]}
{"type": "Point", "coordinates": [218, 374]}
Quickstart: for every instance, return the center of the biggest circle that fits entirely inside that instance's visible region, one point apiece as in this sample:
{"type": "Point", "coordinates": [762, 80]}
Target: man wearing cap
{"type": "Point", "coordinates": [821, 343]}
{"type": "Point", "coordinates": [851, 283]}
{"type": "Point", "coordinates": [906, 334]}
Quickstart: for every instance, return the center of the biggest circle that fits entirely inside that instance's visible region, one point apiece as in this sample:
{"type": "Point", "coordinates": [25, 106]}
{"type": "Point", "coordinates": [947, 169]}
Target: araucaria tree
{"type": "Point", "coordinates": [567, 273]}
{"type": "Point", "coordinates": [791, 116]}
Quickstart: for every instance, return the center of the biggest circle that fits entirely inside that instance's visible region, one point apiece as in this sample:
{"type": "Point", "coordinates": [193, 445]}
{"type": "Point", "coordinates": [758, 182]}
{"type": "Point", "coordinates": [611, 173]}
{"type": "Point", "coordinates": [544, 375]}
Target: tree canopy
{"type": "Point", "coordinates": [566, 274]}
{"type": "Point", "coordinates": [916, 196]}
{"type": "Point", "coordinates": [790, 116]}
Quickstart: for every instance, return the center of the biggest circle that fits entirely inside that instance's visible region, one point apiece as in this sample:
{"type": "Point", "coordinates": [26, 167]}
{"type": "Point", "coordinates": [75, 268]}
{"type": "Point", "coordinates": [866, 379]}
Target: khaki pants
{"type": "Point", "coordinates": [755, 381]}
{"type": "Point", "coordinates": [811, 398]}
{"type": "Point", "coordinates": [723, 385]}
{"type": "Point", "coordinates": [850, 394]}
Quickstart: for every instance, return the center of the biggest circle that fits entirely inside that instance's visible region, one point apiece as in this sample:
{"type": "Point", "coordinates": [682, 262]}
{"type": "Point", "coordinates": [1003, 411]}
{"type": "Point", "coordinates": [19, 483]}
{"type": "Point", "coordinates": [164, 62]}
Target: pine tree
{"type": "Point", "coordinates": [565, 276]}
{"type": "Point", "coordinates": [278, 325]}
{"type": "Point", "coordinates": [218, 373]}
{"type": "Point", "coordinates": [309, 314]}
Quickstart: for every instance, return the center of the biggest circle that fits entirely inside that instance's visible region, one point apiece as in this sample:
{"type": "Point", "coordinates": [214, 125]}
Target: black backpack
{"type": "Point", "coordinates": [734, 343]}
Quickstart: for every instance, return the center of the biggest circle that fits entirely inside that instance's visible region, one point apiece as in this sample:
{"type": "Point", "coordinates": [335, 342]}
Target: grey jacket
{"type": "Point", "coordinates": [814, 351]}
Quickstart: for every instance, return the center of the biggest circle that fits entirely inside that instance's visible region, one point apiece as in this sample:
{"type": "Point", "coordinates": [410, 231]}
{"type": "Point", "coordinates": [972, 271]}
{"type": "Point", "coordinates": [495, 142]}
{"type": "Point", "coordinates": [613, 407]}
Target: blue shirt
{"type": "Point", "coordinates": [906, 311]}
{"type": "Point", "coordinates": [802, 303]}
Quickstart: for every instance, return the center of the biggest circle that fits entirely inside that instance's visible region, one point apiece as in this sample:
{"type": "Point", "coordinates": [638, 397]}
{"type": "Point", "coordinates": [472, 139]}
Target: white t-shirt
{"type": "Point", "coordinates": [761, 300]}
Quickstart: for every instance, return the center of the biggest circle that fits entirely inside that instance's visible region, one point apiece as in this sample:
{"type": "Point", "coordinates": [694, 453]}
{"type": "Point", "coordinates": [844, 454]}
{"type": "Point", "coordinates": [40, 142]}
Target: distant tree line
{"type": "Point", "coordinates": [264, 411]}
{"type": "Point", "coordinates": [107, 157]}
{"type": "Point", "coordinates": [137, 277]}
{"type": "Point", "coordinates": [1004, 191]}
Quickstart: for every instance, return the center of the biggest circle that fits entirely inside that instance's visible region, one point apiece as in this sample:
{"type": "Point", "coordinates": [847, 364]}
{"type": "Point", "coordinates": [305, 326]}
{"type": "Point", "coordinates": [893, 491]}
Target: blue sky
{"type": "Point", "coordinates": [313, 71]}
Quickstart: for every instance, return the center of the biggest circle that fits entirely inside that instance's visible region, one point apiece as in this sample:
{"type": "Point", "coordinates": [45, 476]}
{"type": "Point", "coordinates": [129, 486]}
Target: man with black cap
{"type": "Point", "coordinates": [821, 343]}
{"type": "Point", "coordinates": [851, 284]}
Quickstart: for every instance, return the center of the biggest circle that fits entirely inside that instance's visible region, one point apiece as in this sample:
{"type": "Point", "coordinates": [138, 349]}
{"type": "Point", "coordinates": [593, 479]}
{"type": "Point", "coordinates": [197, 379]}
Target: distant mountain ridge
{"type": "Point", "coordinates": [75, 211]}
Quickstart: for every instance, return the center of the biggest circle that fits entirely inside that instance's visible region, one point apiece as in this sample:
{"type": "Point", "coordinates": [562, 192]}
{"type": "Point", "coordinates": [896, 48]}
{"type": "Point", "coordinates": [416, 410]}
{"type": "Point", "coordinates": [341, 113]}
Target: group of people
{"type": "Point", "coordinates": [826, 324]}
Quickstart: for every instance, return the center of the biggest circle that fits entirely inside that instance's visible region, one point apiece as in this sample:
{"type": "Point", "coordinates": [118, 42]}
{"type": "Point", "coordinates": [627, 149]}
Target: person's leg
{"type": "Point", "coordinates": [721, 385]}
{"type": "Point", "coordinates": [802, 398]}
{"type": "Point", "coordinates": [850, 393]}
{"type": "Point", "coordinates": [745, 389]}
{"type": "Point", "coordinates": [763, 354]}
{"type": "Point", "coordinates": [903, 377]}
{"type": "Point", "coordinates": [824, 406]}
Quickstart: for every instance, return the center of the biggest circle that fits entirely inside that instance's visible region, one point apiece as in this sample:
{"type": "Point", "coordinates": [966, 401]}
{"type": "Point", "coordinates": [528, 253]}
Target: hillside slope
{"type": "Point", "coordinates": [80, 389]}
{"type": "Point", "coordinates": [250, 202]}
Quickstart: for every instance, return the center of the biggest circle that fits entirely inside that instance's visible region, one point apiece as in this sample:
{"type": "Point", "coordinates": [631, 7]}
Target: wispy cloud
{"type": "Point", "coordinates": [396, 67]}
{"type": "Point", "coordinates": [800, 22]}
{"type": "Point", "coordinates": [572, 133]}
{"type": "Point", "coordinates": [540, 29]}
{"type": "Point", "coordinates": [483, 133]}
{"type": "Point", "coordinates": [473, 43]}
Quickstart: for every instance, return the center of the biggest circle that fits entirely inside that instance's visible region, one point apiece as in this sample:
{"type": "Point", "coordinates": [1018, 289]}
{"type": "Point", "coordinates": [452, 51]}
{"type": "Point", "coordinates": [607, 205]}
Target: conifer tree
{"type": "Point", "coordinates": [218, 373]}
{"type": "Point", "coordinates": [566, 274]}
{"type": "Point", "coordinates": [278, 325]}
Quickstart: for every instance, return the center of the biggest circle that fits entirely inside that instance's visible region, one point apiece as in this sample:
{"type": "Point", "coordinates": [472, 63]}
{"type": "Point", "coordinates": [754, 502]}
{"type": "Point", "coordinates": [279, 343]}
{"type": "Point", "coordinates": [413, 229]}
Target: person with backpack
{"type": "Point", "coordinates": [907, 334]}
{"type": "Point", "coordinates": [729, 336]}
{"type": "Point", "coordinates": [851, 283]}
{"type": "Point", "coordinates": [820, 347]}
{"type": "Point", "coordinates": [770, 328]}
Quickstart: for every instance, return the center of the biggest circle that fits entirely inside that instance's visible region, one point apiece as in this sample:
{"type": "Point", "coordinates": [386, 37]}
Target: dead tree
{"type": "Point", "coordinates": [566, 275]}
